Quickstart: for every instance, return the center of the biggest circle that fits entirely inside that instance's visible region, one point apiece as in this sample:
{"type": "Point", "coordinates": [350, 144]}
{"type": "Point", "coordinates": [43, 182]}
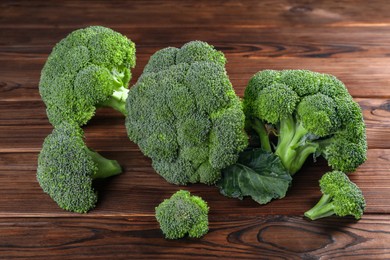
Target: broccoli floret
{"type": "Point", "coordinates": [310, 114]}
{"type": "Point", "coordinates": [67, 167]}
{"type": "Point", "coordinates": [340, 197]}
{"type": "Point", "coordinates": [184, 114]}
{"type": "Point", "coordinates": [87, 69]}
{"type": "Point", "coordinates": [181, 214]}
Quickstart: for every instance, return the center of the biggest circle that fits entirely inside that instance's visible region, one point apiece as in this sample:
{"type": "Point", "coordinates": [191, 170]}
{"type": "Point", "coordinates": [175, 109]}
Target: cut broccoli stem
{"type": "Point", "coordinates": [324, 208]}
{"type": "Point", "coordinates": [121, 94]}
{"type": "Point", "coordinates": [117, 101]}
{"type": "Point", "coordinates": [259, 127]}
{"type": "Point", "coordinates": [116, 104]}
{"type": "Point", "coordinates": [105, 167]}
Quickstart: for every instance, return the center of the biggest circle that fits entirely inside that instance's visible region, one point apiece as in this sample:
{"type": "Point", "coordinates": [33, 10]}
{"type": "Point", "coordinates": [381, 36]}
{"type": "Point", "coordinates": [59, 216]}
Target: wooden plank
{"type": "Point", "coordinates": [226, 14]}
{"type": "Point", "coordinates": [349, 39]}
{"type": "Point", "coordinates": [376, 113]}
{"type": "Point", "coordinates": [19, 79]}
{"type": "Point", "coordinates": [267, 42]}
{"type": "Point", "coordinates": [139, 189]}
{"type": "Point", "coordinates": [260, 237]}
{"type": "Point", "coordinates": [106, 131]}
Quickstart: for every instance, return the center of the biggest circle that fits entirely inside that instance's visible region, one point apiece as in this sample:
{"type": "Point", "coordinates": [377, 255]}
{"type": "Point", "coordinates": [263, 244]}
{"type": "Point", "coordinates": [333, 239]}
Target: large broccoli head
{"type": "Point", "coordinates": [66, 168]}
{"type": "Point", "coordinates": [87, 69]}
{"type": "Point", "coordinates": [181, 214]}
{"type": "Point", "coordinates": [340, 197]}
{"type": "Point", "coordinates": [311, 113]}
{"type": "Point", "coordinates": [184, 114]}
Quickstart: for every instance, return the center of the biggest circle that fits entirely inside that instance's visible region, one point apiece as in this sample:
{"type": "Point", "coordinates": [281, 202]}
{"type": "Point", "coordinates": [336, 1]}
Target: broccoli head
{"type": "Point", "coordinates": [66, 168]}
{"type": "Point", "coordinates": [340, 197]}
{"type": "Point", "coordinates": [87, 69]}
{"type": "Point", "coordinates": [310, 114]}
{"type": "Point", "coordinates": [181, 214]}
{"type": "Point", "coordinates": [184, 114]}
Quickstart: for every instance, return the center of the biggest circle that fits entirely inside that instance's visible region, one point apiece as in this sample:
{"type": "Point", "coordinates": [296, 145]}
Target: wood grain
{"type": "Point", "coordinates": [16, 85]}
{"type": "Point", "coordinates": [265, 237]}
{"type": "Point", "coordinates": [223, 14]}
{"type": "Point", "coordinates": [265, 42]}
{"type": "Point", "coordinates": [349, 39]}
{"type": "Point", "coordinates": [139, 189]}
{"type": "Point", "coordinates": [106, 131]}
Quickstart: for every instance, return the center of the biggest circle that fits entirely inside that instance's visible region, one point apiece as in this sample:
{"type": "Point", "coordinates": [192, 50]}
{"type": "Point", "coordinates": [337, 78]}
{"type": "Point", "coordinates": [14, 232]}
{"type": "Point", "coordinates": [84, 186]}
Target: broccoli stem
{"type": "Point", "coordinates": [285, 135]}
{"type": "Point", "coordinates": [301, 155]}
{"type": "Point", "coordinates": [105, 167]}
{"type": "Point", "coordinates": [290, 134]}
{"type": "Point", "coordinates": [121, 75]}
{"type": "Point", "coordinates": [292, 149]}
{"type": "Point", "coordinates": [118, 100]}
{"type": "Point", "coordinates": [324, 208]}
{"type": "Point", "coordinates": [259, 127]}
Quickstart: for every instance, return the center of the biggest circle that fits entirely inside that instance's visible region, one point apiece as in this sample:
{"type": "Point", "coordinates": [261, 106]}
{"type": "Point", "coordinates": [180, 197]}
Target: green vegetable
{"type": "Point", "coordinates": [181, 214]}
{"type": "Point", "coordinates": [87, 69]}
{"type": "Point", "coordinates": [340, 197]}
{"type": "Point", "coordinates": [67, 167]}
{"type": "Point", "coordinates": [184, 114]}
{"type": "Point", "coordinates": [310, 114]}
{"type": "Point", "coordinates": [258, 174]}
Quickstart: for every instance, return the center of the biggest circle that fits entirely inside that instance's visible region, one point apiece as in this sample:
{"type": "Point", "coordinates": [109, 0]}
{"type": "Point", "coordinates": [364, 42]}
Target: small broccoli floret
{"type": "Point", "coordinates": [87, 69]}
{"type": "Point", "coordinates": [310, 114]}
{"type": "Point", "coordinates": [184, 114]}
{"type": "Point", "coordinates": [340, 197]}
{"type": "Point", "coordinates": [67, 167]}
{"type": "Point", "coordinates": [181, 214]}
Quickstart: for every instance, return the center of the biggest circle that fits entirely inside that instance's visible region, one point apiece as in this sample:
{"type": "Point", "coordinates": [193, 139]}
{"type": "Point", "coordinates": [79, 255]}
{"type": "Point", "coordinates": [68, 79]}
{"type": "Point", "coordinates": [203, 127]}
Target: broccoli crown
{"type": "Point", "coordinates": [312, 113]}
{"type": "Point", "coordinates": [66, 168]}
{"type": "Point", "coordinates": [184, 114]}
{"type": "Point", "coordinates": [341, 197]}
{"type": "Point", "coordinates": [88, 68]}
{"type": "Point", "coordinates": [181, 214]}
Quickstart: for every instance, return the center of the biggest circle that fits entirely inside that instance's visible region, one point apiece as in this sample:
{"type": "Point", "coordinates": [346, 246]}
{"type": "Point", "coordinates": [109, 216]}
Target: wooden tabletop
{"type": "Point", "coordinates": [349, 39]}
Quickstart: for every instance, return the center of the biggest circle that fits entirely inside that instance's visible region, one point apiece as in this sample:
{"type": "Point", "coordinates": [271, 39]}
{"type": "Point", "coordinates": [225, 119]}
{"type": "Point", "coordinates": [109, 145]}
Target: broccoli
{"type": "Point", "coordinates": [310, 114]}
{"type": "Point", "coordinates": [340, 197]}
{"type": "Point", "coordinates": [66, 168]}
{"type": "Point", "coordinates": [87, 69]}
{"type": "Point", "coordinates": [181, 214]}
{"type": "Point", "coordinates": [184, 114]}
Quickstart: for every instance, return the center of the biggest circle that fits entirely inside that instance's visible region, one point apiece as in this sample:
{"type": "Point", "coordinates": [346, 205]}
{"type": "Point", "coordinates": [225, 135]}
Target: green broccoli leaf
{"type": "Point", "coordinates": [258, 174]}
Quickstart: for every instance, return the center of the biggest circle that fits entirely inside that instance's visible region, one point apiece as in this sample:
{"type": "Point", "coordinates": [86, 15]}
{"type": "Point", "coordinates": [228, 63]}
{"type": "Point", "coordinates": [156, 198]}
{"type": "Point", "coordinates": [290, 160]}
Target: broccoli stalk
{"type": "Point", "coordinates": [118, 98]}
{"type": "Point", "coordinates": [290, 148]}
{"type": "Point", "coordinates": [323, 208]}
{"type": "Point", "coordinates": [116, 103]}
{"type": "Point", "coordinates": [340, 197]}
{"type": "Point", "coordinates": [263, 134]}
{"type": "Point", "coordinates": [105, 167]}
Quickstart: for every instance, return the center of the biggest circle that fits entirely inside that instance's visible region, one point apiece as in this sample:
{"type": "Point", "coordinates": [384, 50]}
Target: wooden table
{"type": "Point", "coordinates": [350, 39]}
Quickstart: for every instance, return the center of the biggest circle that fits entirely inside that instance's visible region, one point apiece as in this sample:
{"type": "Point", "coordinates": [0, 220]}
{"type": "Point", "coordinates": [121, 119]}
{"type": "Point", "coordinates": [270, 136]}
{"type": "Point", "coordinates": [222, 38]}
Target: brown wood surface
{"type": "Point", "coordinates": [350, 39]}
